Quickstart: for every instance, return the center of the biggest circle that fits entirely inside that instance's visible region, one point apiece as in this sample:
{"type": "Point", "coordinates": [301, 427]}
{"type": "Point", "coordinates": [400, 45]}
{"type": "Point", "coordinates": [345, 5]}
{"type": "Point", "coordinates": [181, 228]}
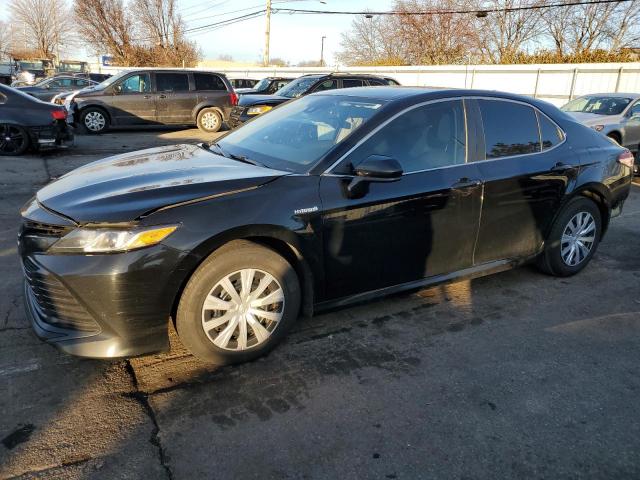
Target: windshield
{"type": "Point", "coordinates": [296, 135]}
{"type": "Point", "coordinates": [297, 87]}
{"type": "Point", "coordinates": [31, 65]}
{"type": "Point", "coordinates": [598, 105]}
{"type": "Point", "coordinates": [262, 84]}
{"type": "Point", "coordinates": [110, 80]}
{"type": "Point", "coordinates": [71, 67]}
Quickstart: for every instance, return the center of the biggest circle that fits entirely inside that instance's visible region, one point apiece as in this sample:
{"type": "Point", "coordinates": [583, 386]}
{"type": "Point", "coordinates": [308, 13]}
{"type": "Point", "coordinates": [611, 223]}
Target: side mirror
{"type": "Point", "coordinates": [117, 89]}
{"type": "Point", "coordinates": [375, 168]}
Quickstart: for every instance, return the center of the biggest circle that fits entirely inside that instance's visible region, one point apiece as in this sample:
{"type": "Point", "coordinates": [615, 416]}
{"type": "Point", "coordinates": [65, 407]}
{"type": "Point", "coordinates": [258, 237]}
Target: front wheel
{"type": "Point", "coordinates": [238, 304]}
{"type": "Point", "coordinates": [573, 239]}
{"type": "Point", "coordinates": [94, 120]}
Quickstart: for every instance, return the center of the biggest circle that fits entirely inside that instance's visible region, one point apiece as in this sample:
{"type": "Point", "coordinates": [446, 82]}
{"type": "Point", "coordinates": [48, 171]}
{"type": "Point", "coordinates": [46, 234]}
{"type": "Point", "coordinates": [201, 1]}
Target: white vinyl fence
{"type": "Point", "coordinates": [556, 83]}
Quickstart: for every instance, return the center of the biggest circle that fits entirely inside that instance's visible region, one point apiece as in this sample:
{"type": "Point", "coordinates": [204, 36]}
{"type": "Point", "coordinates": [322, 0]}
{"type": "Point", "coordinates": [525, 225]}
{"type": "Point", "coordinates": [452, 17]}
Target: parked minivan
{"type": "Point", "coordinates": [154, 96]}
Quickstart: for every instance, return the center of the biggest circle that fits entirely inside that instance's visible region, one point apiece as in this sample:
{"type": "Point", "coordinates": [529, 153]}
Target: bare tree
{"type": "Point", "coordinates": [5, 39]}
{"type": "Point", "coordinates": [43, 26]}
{"type": "Point", "coordinates": [371, 40]}
{"type": "Point", "coordinates": [504, 33]}
{"type": "Point", "coordinates": [107, 27]}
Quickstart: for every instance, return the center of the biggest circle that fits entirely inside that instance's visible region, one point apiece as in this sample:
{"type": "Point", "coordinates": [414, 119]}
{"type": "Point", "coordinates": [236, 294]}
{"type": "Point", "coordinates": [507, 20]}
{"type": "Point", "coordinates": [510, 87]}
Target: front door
{"type": "Point", "coordinates": [421, 225]}
{"type": "Point", "coordinates": [132, 102]}
{"type": "Point", "coordinates": [632, 127]}
{"type": "Point", "coordinates": [526, 170]}
{"type": "Point", "coordinates": [175, 100]}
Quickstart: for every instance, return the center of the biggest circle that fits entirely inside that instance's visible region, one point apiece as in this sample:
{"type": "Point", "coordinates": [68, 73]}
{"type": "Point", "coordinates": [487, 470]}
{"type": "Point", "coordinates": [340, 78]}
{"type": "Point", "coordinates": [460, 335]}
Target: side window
{"type": "Point", "coordinates": [635, 110]}
{"type": "Point", "coordinates": [326, 85]}
{"type": "Point", "coordinates": [351, 82]}
{"type": "Point", "coordinates": [139, 83]}
{"type": "Point", "coordinates": [54, 84]}
{"type": "Point", "coordinates": [509, 128]}
{"type": "Point", "coordinates": [172, 82]}
{"type": "Point", "coordinates": [426, 137]}
{"type": "Point", "coordinates": [375, 82]}
{"type": "Point", "coordinates": [551, 135]}
{"type": "Point", "coordinates": [81, 83]}
{"type": "Point", "coordinates": [206, 81]}
{"type": "Point", "coordinates": [66, 82]}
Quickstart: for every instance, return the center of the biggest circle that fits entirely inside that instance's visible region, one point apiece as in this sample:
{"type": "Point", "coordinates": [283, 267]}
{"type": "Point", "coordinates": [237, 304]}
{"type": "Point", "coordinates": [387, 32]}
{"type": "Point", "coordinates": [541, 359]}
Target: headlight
{"type": "Point", "coordinates": [258, 110]}
{"type": "Point", "coordinates": [106, 240]}
{"type": "Point", "coordinates": [598, 128]}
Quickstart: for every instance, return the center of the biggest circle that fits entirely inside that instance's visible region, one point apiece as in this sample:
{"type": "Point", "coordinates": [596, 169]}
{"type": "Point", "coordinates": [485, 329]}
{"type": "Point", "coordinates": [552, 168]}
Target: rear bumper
{"type": "Point", "coordinates": [58, 134]}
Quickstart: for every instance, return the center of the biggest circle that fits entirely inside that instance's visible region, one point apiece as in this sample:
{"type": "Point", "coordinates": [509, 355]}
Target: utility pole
{"type": "Point", "coordinates": [267, 34]}
{"type": "Point", "coordinates": [322, 51]}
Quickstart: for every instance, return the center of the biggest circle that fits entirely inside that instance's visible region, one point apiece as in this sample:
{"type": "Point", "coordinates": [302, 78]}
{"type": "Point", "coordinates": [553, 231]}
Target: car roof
{"type": "Point", "coordinates": [615, 95]}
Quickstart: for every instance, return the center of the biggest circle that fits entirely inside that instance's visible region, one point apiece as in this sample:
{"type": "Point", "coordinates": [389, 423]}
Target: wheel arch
{"type": "Point", "coordinates": [616, 135]}
{"type": "Point", "coordinates": [599, 194]}
{"type": "Point", "coordinates": [279, 239]}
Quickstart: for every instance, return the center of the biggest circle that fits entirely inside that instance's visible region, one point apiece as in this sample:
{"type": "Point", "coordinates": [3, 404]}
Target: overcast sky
{"type": "Point", "coordinates": [293, 37]}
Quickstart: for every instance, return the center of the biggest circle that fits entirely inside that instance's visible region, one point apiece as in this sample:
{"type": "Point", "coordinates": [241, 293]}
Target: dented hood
{"type": "Point", "coordinates": [124, 187]}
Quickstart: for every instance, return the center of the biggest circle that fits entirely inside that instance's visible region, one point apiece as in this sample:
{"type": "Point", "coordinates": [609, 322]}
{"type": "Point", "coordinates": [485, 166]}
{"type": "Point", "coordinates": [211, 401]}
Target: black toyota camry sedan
{"type": "Point", "coordinates": [330, 199]}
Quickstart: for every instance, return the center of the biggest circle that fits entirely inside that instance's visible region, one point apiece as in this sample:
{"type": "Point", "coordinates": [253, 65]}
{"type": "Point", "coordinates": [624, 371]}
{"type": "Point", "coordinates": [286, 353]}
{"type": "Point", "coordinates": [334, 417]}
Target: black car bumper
{"type": "Point", "coordinates": [238, 116]}
{"type": "Point", "coordinates": [56, 135]}
{"type": "Point", "coordinates": [99, 306]}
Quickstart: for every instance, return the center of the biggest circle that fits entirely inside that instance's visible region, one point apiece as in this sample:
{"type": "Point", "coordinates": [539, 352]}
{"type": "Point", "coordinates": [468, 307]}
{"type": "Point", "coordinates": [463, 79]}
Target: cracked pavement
{"type": "Point", "coordinates": [515, 375]}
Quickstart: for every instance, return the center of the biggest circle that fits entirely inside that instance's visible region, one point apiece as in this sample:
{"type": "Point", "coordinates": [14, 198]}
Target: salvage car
{"type": "Point", "coordinates": [331, 199]}
{"type": "Point", "coordinates": [48, 88]}
{"type": "Point", "coordinates": [27, 122]}
{"type": "Point", "coordinates": [154, 97]}
{"type": "Point", "coordinates": [266, 86]}
{"type": "Point", "coordinates": [616, 115]}
{"type": "Point", "coordinates": [250, 106]}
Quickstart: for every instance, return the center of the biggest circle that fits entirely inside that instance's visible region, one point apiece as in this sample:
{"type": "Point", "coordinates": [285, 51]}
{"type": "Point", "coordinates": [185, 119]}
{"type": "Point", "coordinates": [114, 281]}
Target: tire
{"type": "Point", "coordinates": [14, 139]}
{"type": "Point", "coordinates": [94, 120]}
{"type": "Point", "coordinates": [214, 280]}
{"type": "Point", "coordinates": [209, 120]}
{"type": "Point", "coordinates": [579, 219]}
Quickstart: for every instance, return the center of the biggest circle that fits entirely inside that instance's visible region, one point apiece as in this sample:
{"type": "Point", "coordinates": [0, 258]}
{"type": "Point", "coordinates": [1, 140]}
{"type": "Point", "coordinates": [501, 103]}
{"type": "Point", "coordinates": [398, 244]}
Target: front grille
{"type": "Point", "coordinates": [236, 113]}
{"type": "Point", "coordinates": [57, 305]}
{"type": "Point", "coordinates": [38, 237]}
{"type": "Point", "coordinates": [37, 229]}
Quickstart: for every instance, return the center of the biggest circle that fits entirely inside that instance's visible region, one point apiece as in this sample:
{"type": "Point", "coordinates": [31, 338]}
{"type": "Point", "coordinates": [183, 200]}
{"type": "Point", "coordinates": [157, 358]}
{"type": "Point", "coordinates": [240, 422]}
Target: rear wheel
{"type": "Point", "coordinates": [209, 120]}
{"type": "Point", "coordinates": [94, 120]}
{"type": "Point", "coordinates": [238, 304]}
{"type": "Point", "coordinates": [14, 140]}
{"type": "Point", "coordinates": [573, 240]}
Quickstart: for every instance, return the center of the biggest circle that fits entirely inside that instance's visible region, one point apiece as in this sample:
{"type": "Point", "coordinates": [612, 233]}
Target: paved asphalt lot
{"type": "Point", "coordinates": [517, 375]}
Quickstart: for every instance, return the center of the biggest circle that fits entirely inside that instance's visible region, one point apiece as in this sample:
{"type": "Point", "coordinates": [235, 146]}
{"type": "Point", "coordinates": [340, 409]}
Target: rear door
{"type": "Point", "coordinates": [421, 225]}
{"type": "Point", "coordinates": [632, 127]}
{"type": "Point", "coordinates": [526, 167]}
{"type": "Point", "coordinates": [174, 98]}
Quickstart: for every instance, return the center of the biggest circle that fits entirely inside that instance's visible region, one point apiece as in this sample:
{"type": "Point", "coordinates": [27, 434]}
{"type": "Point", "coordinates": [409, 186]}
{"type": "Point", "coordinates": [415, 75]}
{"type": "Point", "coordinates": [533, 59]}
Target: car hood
{"type": "Point", "coordinates": [30, 88]}
{"type": "Point", "coordinates": [591, 119]}
{"type": "Point", "coordinates": [244, 90]}
{"type": "Point", "coordinates": [125, 187]}
{"type": "Point", "coordinates": [246, 100]}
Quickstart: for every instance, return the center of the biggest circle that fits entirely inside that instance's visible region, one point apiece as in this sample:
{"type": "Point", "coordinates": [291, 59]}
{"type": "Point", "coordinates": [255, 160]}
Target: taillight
{"type": "Point", "coordinates": [59, 114]}
{"type": "Point", "coordinates": [626, 158]}
{"type": "Point", "coordinates": [234, 98]}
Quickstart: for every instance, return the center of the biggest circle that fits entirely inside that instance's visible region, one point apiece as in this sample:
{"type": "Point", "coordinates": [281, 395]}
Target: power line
{"type": "Point", "coordinates": [445, 12]}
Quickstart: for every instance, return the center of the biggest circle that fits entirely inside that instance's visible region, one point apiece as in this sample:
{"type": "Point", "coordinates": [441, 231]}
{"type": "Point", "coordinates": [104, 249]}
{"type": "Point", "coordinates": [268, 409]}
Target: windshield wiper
{"type": "Point", "coordinates": [239, 158]}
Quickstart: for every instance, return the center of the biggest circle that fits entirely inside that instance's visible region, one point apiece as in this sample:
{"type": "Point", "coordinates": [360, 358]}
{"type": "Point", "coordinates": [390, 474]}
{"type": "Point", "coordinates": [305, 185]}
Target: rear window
{"type": "Point", "coordinates": [172, 82]}
{"type": "Point", "coordinates": [509, 128]}
{"type": "Point", "coordinates": [206, 81]}
{"type": "Point", "coordinates": [550, 133]}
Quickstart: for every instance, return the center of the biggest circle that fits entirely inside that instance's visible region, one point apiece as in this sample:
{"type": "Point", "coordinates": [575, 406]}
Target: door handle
{"type": "Point", "coordinates": [465, 182]}
{"type": "Point", "coordinates": [163, 96]}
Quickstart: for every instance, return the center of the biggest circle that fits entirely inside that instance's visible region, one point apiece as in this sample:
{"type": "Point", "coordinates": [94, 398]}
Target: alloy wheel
{"type": "Point", "coordinates": [243, 309]}
{"type": "Point", "coordinates": [95, 121]}
{"type": "Point", "coordinates": [210, 120]}
{"type": "Point", "coordinates": [12, 139]}
{"type": "Point", "coordinates": [578, 238]}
